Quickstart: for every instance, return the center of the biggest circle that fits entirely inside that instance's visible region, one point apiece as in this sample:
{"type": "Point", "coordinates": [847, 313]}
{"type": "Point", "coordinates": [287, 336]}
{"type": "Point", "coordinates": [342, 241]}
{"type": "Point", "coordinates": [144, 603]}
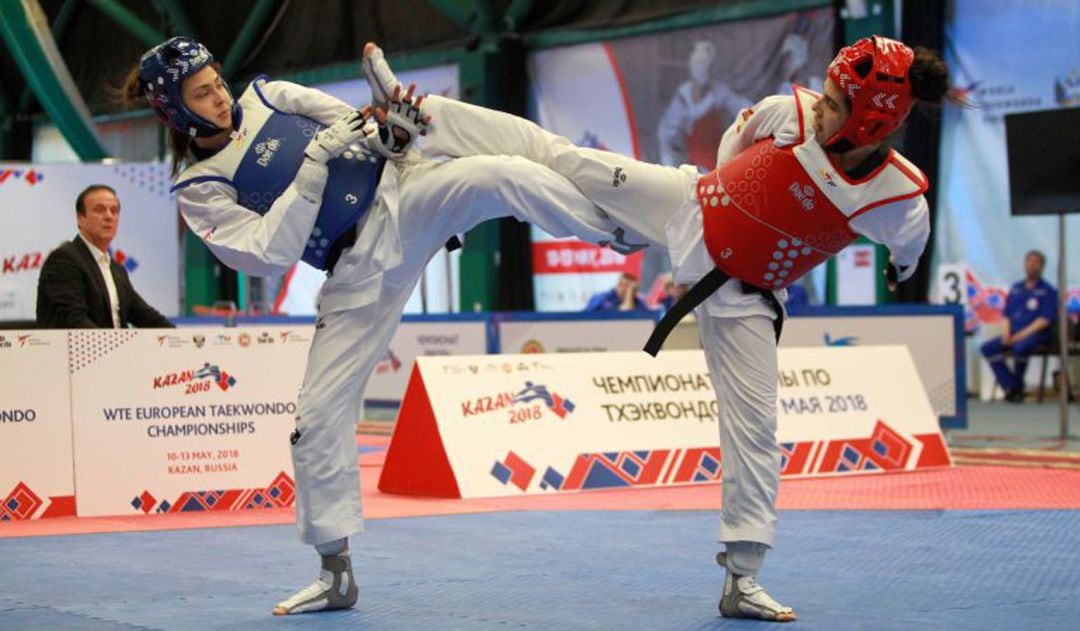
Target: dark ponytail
{"type": "Point", "coordinates": [929, 76]}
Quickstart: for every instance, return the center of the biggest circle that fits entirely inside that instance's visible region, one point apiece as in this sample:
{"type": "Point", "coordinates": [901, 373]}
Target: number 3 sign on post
{"type": "Point", "coordinates": [951, 284]}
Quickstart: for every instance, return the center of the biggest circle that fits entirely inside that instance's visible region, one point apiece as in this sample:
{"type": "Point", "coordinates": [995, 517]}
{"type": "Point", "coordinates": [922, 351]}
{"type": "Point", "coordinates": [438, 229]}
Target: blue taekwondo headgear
{"type": "Point", "coordinates": [161, 71]}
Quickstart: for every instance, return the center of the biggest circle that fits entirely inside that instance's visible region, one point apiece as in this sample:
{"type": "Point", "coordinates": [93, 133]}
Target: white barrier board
{"type": "Point", "coordinates": [507, 425]}
{"type": "Point", "coordinates": [36, 478]}
{"type": "Point", "coordinates": [421, 339]}
{"type": "Point", "coordinates": [181, 420]}
{"type": "Point", "coordinates": [573, 336]}
{"type": "Point", "coordinates": [931, 338]}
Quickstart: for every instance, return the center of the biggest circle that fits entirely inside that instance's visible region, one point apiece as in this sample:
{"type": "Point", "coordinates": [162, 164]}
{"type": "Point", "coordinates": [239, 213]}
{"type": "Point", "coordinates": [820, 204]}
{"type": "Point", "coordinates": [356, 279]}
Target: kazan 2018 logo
{"type": "Point", "coordinates": [524, 405]}
{"type": "Point", "coordinates": [194, 381]}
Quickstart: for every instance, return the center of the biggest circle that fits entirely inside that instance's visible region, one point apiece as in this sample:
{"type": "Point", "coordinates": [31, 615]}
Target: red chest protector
{"type": "Point", "coordinates": [768, 221]}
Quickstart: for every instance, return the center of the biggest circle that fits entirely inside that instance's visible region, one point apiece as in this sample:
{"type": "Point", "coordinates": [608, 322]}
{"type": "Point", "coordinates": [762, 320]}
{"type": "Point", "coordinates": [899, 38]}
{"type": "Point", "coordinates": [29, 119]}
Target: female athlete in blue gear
{"type": "Point", "coordinates": [287, 173]}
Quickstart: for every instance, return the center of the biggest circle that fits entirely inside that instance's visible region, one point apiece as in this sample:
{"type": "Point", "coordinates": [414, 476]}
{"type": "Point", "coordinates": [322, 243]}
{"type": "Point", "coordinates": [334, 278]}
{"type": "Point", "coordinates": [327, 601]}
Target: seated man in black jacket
{"type": "Point", "coordinates": [81, 287]}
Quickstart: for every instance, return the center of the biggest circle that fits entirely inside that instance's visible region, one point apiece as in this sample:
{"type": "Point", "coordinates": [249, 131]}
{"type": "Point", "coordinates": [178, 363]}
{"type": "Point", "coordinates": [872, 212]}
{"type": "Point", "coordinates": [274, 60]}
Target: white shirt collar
{"type": "Point", "coordinates": [99, 256]}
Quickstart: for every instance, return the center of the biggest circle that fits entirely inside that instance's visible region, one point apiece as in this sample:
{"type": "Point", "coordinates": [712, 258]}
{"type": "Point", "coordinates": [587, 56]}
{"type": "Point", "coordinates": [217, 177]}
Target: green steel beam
{"type": "Point", "coordinates": [516, 13]}
{"type": "Point", "coordinates": [7, 123]}
{"type": "Point", "coordinates": [325, 74]}
{"type": "Point", "coordinates": [5, 104]}
{"type": "Point", "coordinates": [479, 17]}
{"type": "Point", "coordinates": [487, 17]}
{"type": "Point", "coordinates": [176, 17]}
{"type": "Point", "coordinates": [460, 12]}
{"type": "Point", "coordinates": [242, 45]}
{"type": "Point", "coordinates": [130, 22]}
{"type": "Point", "coordinates": [483, 75]}
{"type": "Point", "coordinates": [701, 17]}
{"type": "Point", "coordinates": [25, 28]}
{"type": "Point", "coordinates": [59, 28]}
{"type": "Point", "coordinates": [351, 70]}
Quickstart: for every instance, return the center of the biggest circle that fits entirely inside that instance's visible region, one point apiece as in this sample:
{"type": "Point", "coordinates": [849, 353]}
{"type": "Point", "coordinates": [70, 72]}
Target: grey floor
{"type": "Point", "coordinates": [1027, 425]}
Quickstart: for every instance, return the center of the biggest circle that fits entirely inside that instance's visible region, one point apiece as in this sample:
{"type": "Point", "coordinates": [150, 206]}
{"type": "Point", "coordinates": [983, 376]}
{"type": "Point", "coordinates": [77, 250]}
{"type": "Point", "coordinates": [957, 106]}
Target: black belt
{"type": "Point", "coordinates": [695, 296]}
{"type": "Point", "coordinates": [344, 242]}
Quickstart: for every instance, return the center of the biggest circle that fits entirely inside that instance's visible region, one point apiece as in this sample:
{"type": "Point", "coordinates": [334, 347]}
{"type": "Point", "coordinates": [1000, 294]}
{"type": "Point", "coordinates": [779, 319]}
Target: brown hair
{"type": "Point", "coordinates": [929, 76]}
{"type": "Point", "coordinates": [130, 96]}
{"type": "Point", "coordinates": [80, 201]}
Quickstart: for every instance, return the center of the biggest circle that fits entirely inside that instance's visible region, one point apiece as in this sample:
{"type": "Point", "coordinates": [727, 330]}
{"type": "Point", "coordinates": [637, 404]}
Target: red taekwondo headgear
{"type": "Point", "coordinates": [873, 74]}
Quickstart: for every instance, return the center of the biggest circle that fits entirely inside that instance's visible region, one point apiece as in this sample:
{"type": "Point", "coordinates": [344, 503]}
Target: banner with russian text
{"type": "Point", "coordinates": [573, 332]}
{"type": "Point", "coordinates": [414, 339]}
{"type": "Point", "coordinates": [36, 478]}
{"type": "Point", "coordinates": [530, 424]}
{"type": "Point", "coordinates": [168, 421]}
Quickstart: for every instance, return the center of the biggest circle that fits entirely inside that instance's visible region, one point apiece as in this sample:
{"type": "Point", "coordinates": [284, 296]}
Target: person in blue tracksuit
{"type": "Point", "coordinates": [1030, 310]}
{"type": "Point", "coordinates": [622, 297]}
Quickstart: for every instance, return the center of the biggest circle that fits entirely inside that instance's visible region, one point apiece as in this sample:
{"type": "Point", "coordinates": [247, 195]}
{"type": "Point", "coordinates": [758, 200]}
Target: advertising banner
{"type": "Point", "coordinates": [529, 424]}
{"type": "Point", "coordinates": [664, 98]}
{"type": "Point", "coordinates": [184, 420]}
{"type": "Point", "coordinates": [574, 333]}
{"type": "Point", "coordinates": [933, 335]}
{"type": "Point", "coordinates": [421, 339]}
{"type": "Point", "coordinates": [1001, 69]}
{"type": "Point", "coordinates": [39, 214]}
{"type": "Point", "coordinates": [36, 478]}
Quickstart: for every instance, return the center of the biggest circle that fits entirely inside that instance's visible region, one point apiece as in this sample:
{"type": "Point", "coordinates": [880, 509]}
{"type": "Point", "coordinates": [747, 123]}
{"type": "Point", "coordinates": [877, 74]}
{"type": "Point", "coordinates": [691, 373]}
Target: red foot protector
{"type": "Point", "coordinates": [485, 426]}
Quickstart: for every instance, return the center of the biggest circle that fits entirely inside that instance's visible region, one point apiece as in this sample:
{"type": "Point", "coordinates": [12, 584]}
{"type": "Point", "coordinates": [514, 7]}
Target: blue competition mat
{"type": "Point", "coordinates": [564, 570]}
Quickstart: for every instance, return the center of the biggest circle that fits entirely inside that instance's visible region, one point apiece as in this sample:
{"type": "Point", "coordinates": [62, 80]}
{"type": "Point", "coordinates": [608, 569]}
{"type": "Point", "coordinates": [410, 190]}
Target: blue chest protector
{"type": "Point", "coordinates": [272, 162]}
{"type": "Point", "coordinates": [268, 159]}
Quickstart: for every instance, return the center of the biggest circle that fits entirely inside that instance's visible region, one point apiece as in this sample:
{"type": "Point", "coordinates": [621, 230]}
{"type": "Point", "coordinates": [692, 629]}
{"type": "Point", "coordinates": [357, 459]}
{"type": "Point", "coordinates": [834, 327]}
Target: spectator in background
{"type": "Point", "coordinates": [797, 297]}
{"type": "Point", "coordinates": [623, 297]}
{"type": "Point", "coordinates": [1030, 309]}
{"type": "Point", "coordinates": [672, 293]}
{"type": "Point", "coordinates": [80, 286]}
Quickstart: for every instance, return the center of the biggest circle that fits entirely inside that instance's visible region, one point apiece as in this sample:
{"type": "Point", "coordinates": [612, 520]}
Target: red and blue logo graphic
{"type": "Point", "coordinates": [223, 379]}
{"type": "Point", "coordinates": [964, 92]}
{"type": "Point", "coordinates": [198, 380]}
{"type": "Point", "coordinates": [985, 303]}
{"type": "Point", "coordinates": [827, 177]}
{"type": "Point", "coordinates": [534, 393]}
{"type": "Point", "coordinates": [557, 404]}
{"type": "Point", "coordinates": [513, 470]}
{"type": "Point", "coordinates": [125, 259]}
{"type": "Point", "coordinates": [23, 503]}
{"type": "Point", "coordinates": [389, 363]}
{"type": "Point", "coordinates": [885, 449]}
{"type": "Point", "coordinates": [31, 177]}
{"type": "Point", "coordinates": [279, 494]}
